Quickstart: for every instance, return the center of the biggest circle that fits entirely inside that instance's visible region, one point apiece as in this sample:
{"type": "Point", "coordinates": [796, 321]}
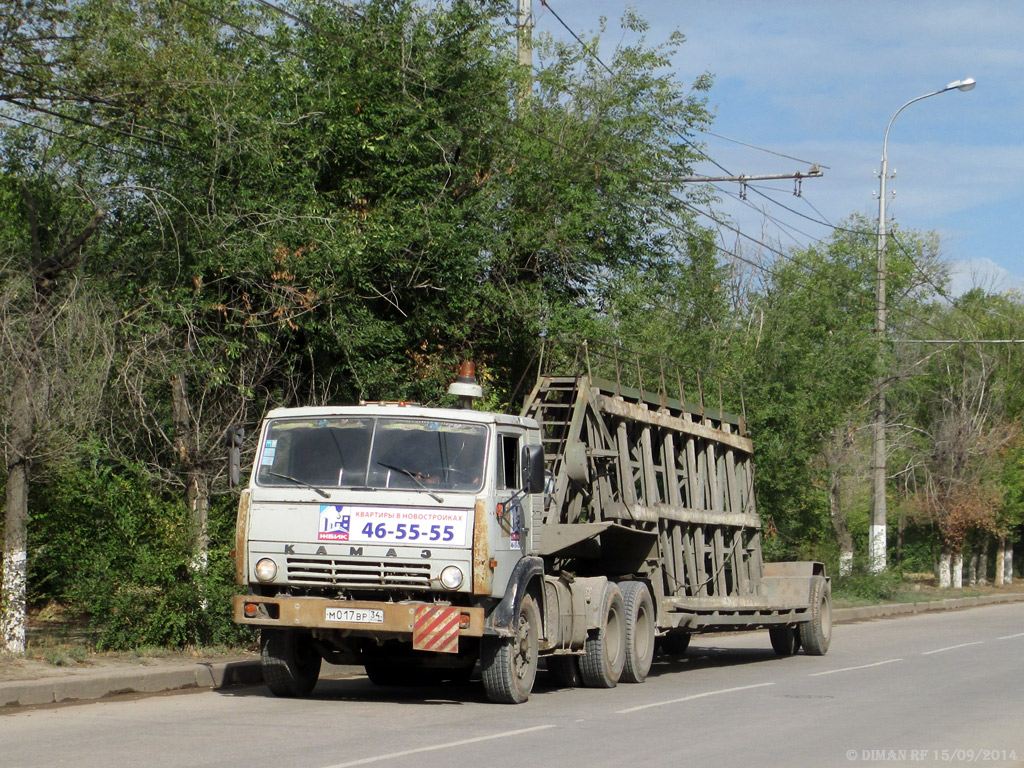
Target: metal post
{"type": "Point", "coordinates": [879, 473]}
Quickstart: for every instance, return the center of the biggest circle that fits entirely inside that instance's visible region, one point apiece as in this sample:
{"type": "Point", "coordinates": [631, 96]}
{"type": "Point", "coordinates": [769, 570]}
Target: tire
{"type": "Point", "coordinates": [640, 620]}
{"type": "Point", "coordinates": [508, 666]}
{"type": "Point", "coordinates": [605, 650]}
{"type": "Point", "coordinates": [565, 671]}
{"type": "Point", "coordinates": [816, 634]}
{"type": "Point", "coordinates": [290, 662]}
{"type": "Point", "coordinates": [674, 643]}
{"type": "Point", "coordinates": [785, 639]}
{"type": "Point", "coordinates": [386, 674]}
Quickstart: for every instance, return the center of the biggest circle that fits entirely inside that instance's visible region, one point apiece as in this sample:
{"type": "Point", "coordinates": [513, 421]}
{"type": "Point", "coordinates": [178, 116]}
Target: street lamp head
{"type": "Point", "coordinates": [962, 85]}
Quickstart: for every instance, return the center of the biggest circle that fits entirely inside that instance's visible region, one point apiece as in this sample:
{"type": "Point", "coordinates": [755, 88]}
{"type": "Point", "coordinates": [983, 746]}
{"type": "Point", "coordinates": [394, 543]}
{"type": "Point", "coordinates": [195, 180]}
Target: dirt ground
{"type": "Point", "coordinates": [924, 589]}
{"type": "Point", "coordinates": [60, 645]}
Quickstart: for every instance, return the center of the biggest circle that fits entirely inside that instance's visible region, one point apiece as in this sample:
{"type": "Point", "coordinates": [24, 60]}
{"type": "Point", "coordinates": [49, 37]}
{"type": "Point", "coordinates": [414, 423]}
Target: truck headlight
{"type": "Point", "coordinates": [266, 569]}
{"type": "Point", "coordinates": [451, 577]}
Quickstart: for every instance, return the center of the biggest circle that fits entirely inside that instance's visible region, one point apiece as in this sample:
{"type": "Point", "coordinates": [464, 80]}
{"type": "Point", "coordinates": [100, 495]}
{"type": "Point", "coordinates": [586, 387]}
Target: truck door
{"type": "Point", "coordinates": [515, 508]}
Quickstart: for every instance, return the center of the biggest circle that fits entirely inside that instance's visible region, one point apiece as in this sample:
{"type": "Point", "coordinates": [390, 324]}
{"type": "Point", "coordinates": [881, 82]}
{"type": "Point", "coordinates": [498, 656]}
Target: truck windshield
{"type": "Point", "coordinates": [376, 453]}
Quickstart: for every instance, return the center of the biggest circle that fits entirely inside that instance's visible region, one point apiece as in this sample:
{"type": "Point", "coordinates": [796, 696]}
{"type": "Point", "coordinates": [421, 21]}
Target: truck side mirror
{"type": "Point", "coordinates": [233, 438]}
{"type": "Point", "coordinates": [532, 462]}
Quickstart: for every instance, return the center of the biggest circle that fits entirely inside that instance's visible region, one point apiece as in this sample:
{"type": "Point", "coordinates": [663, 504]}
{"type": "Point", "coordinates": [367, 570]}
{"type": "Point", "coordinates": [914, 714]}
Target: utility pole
{"type": "Point", "coordinates": [524, 47]}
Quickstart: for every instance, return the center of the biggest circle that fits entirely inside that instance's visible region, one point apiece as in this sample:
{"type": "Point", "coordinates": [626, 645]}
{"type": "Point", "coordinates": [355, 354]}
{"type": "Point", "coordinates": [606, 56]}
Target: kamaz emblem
{"type": "Point", "coordinates": [289, 549]}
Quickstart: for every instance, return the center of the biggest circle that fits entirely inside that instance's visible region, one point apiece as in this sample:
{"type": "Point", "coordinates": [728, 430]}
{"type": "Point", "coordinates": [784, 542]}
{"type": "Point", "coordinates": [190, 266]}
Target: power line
{"type": "Point", "coordinates": [958, 341]}
{"type": "Point", "coordinates": [589, 50]}
{"type": "Point", "coordinates": [761, 149]}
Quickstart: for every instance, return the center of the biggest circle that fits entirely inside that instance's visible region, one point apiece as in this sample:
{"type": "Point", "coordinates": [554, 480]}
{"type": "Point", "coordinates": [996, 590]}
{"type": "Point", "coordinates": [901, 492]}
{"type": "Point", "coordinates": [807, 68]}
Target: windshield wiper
{"type": "Point", "coordinates": [415, 478]}
{"type": "Point", "coordinates": [300, 482]}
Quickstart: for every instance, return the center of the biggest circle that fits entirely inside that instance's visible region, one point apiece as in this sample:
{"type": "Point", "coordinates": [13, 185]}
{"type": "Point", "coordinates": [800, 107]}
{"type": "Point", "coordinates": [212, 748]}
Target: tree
{"type": "Point", "coordinates": [960, 407]}
{"type": "Point", "coordinates": [325, 206]}
{"type": "Point", "coordinates": [808, 362]}
{"type": "Point", "coordinates": [48, 323]}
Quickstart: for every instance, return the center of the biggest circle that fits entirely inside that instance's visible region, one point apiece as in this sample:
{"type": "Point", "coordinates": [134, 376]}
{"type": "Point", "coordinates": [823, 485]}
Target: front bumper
{"type": "Point", "coordinates": [311, 613]}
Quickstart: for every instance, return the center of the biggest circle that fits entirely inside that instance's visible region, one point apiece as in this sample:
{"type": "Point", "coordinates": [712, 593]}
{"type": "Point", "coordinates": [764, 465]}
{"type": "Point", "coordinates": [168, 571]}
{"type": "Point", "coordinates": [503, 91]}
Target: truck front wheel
{"type": "Point", "coordinates": [508, 666]}
{"type": "Point", "coordinates": [290, 662]}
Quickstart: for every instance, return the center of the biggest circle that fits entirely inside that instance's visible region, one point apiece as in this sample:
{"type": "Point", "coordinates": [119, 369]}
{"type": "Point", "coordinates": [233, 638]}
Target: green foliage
{"type": "Point", "coordinates": [807, 364]}
{"type": "Point", "coordinates": [864, 585]}
{"type": "Point", "coordinates": [120, 554]}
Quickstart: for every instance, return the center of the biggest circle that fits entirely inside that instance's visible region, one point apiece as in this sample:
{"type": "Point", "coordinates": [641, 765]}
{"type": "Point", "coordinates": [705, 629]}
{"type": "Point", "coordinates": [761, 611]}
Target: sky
{"type": "Point", "coordinates": [819, 82]}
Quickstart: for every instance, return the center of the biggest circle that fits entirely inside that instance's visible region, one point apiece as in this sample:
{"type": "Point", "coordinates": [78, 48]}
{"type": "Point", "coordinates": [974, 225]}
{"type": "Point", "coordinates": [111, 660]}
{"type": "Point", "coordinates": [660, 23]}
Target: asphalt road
{"type": "Point", "coordinates": [923, 690]}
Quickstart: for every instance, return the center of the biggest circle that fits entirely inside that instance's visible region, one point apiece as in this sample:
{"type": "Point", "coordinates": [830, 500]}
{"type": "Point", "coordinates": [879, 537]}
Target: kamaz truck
{"type": "Point", "coordinates": [614, 514]}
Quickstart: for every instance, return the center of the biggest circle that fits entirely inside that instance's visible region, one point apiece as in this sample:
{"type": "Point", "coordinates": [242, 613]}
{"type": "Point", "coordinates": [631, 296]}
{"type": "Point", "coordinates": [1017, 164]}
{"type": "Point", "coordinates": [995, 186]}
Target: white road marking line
{"type": "Point", "coordinates": [850, 669]}
{"type": "Point", "coordinates": [950, 648]}
{"type": "Point", "coordinates": [1010, 637]}
{"type": "Point", "coordinates": [435, 747]}
{"type": "Point", "coordinates": [691, 698]}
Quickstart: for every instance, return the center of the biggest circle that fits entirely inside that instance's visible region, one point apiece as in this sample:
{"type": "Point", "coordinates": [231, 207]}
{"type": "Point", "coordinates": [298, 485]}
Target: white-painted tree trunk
{"type": "Point", "coordinates": [1000, 562]}
{"type": "Point", "coordinates": [944, 570]}
{"type": "Point", "coordinates": [1008, 563]}
{"type": "Point", "coordinates": [12, 624]}
{"type": "Point", "coordinates": [845, 563]}
{"type": "Point", "coordinates": [958, 570]}
{"type": "Point", "coordinates": [15, 563]}
{"type": "Point", "coordinates": [13, 588]}
{"type": "Point", "coordinates": [983, 563]}
{"type": "Point", "coordinates": [972, 570]}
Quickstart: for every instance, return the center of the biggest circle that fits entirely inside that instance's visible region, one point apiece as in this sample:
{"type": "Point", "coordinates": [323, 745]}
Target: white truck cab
{"type": "Point", "coordinates": [370, 531]}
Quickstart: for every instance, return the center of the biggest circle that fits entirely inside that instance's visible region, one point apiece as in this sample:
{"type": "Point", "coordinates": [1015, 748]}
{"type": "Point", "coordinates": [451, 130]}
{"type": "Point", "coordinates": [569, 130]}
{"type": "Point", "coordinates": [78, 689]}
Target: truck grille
{"type": "Point", "coordinates": [340, 572]}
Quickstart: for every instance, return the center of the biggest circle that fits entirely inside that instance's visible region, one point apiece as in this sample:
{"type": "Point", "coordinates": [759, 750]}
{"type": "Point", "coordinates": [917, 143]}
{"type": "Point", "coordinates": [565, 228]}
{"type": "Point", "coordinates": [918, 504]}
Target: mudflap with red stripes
{"type": "Point", "coordinates": [436, 628]}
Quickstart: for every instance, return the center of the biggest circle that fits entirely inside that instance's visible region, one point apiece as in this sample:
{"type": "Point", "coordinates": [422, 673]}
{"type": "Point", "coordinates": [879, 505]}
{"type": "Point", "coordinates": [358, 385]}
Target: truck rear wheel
{"type": "Point", "coordinates": [290, 662]}
{"type": "Point", "coordinates": [565, 670]}
{"type": "Point", "coordinates": [508, 666]}
{"type": "Point", "coordinates": [816, 634]}
{"type": "Point", "coordinates": [639, 612]}
{"type": "Point", "coordinates": [785, 639]}
{"type": "Point", "coordinates": [674, 643]}
{"type": "Point", "coordinates": [601, 666]}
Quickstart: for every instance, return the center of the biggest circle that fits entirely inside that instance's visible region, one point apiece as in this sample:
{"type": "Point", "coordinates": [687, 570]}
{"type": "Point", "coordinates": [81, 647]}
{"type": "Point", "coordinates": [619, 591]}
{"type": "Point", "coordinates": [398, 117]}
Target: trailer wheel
{"type": "Point", "coordinates": [674, 643]}
{"type": "Point", "coordinates": [385, 674]}
{"type": "Point", "coordinates": [565, 670]}
{"type": "Point", "coordinates": [508, 666]}
{"type": "Point", "coordinates": [816, 634]}
{"type": "Point", "coordinates": [639, 631]}
{"type": "Point", "coordinates": [289, 661]}
{"type": "Point", "coordinates": [601, 666]}
{"type": "Point", "coordinates": [785, 639]}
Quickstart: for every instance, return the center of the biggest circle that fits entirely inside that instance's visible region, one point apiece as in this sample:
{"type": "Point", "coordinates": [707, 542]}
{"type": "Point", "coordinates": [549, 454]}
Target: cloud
{"type": "Point", "coordinates": [820, 81]}
{"type": "Point", "coordinates": [982, 273]}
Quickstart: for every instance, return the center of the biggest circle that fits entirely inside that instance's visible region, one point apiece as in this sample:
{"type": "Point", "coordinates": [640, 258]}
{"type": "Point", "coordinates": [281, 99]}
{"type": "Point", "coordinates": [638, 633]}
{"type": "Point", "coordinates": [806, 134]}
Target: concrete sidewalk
{"type": "Point", "coordinates": [102, 681]}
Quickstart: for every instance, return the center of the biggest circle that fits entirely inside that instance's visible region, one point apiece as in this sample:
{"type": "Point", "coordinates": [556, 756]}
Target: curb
{"type": "Point", "coordinates": [887, 610]}
{"type": "Point", "coordinates": [103, 683]}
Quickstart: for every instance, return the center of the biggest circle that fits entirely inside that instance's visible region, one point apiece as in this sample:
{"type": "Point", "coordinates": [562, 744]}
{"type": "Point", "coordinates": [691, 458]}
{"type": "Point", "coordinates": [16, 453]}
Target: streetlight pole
{"type": "Point", "coordinates": [877, 542]}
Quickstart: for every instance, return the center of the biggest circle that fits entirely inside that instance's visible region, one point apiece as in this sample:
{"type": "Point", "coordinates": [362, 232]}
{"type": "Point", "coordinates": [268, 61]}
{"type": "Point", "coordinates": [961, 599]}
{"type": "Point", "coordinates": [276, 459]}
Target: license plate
{"type": "Point", "coordinates": [356, 615]}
